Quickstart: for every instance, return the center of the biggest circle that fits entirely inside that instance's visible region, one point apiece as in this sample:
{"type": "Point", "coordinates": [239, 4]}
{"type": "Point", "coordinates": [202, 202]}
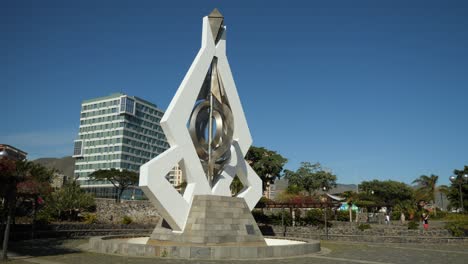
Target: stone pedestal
{"type": "Point", "coordinates": [213, 220]}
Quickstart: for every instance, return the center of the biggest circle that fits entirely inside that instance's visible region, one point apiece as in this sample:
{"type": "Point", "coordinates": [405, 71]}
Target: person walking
{"type": "Point", "coordinates": [425, 219]}
{"type": "Point", "coordinates": [387, 219]}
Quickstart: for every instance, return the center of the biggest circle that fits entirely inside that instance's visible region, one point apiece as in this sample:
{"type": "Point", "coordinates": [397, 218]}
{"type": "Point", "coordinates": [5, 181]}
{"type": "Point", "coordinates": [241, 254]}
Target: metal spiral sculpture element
{"type": "Point", "coordinates": [213, 148]}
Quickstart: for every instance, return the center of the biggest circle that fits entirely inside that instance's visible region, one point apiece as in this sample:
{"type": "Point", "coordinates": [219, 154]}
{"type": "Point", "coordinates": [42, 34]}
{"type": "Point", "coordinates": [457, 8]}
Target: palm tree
{"type": "Point", "coordinates": [427, 187]}
{"type": "Point", "coordinates": [351, 198]}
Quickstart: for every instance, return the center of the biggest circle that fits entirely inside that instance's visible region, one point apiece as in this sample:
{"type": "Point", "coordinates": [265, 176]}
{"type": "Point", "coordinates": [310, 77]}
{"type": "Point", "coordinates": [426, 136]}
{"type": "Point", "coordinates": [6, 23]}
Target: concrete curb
{"type": "Point", "coordinates": [118, 245]}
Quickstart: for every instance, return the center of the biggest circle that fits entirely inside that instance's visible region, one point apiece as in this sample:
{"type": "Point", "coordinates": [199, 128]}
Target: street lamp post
{"type": "Point", "coordinates": [324, 188]}
{"type": "Point", "coordinates": [460, 179]}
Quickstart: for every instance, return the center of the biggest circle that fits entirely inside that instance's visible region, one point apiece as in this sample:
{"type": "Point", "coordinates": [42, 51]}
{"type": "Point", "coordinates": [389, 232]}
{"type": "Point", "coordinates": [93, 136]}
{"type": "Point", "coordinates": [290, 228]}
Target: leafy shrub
{"type": "Point", "coordinates": [69, 202]}
{"type": "Point", "coordinates": [316, 217]}
{"type": "Point", "coordinates": [440, 215]}
{"type": "Point", "coordinates": [313, 217]}
{"type": "Point", "coordinates": [456, 217]}
{"type": "Point", "coordinates": [344, 215]}
{"type": "Point", "coordinates": [457, 225]}
{"type": "Point", "coordinates": [363, 227]}
{"type": "Point", "coordinates": [90, 218]}
{"type": "Point", "coordinates": [297, 213]}
{"type": "Point", "coordinates": [407, 208]}
{"type": "Point", "coordinates": [45, 216]}
{"type": "Point", "coordinates": [456, 228]}
{"type": "Point", "coordinates": [126, 220]}
{"type": "Point", "coordinates": [413, 225]}
{"type": "Point", "coordinates": [277, 218]}
{"type": "Point", "coordinates": [395, 216]}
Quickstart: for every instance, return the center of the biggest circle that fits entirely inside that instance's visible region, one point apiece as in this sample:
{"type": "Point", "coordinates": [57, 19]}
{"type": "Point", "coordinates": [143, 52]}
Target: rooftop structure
{"type": "Point", "coordinates": [12, 152]}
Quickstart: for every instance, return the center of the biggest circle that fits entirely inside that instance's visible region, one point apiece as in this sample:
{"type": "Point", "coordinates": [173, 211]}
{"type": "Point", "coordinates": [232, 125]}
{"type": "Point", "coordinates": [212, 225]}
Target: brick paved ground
{"type": "Point", "coordinates": [70, 252]}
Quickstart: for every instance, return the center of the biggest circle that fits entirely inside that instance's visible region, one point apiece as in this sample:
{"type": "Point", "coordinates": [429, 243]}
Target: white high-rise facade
{"type": "Point", "coordinates": [116, 131]}
{"type": "Point", "coordinates": [175, 177]}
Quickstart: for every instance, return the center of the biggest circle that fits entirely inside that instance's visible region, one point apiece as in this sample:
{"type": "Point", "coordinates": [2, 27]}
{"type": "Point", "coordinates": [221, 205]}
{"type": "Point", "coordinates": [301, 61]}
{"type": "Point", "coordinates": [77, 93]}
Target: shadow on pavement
{"type": "Point", "coordinates": [44, 247]}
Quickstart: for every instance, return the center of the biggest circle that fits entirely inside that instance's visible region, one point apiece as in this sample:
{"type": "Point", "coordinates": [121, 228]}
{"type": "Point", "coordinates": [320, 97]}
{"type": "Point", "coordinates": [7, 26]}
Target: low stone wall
{"type": "Point", "coordinates": [72, 230]}
{"type": "Point", "coordinates": [141, 212]}
{"type": "Point", "coordinates": [120, 245]}
{"type": "Point", "coordinates": [377, 233]}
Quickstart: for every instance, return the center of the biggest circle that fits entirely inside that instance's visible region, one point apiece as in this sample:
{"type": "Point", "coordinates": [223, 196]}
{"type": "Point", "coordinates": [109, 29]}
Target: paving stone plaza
{"type": "Point", "coordinates": [74, 252]}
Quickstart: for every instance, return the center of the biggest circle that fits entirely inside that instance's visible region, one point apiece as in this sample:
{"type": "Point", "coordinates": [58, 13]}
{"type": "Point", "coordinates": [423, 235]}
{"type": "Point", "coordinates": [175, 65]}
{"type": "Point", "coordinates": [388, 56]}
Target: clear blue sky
{"type": "Point", "coordinates": [371, 89]}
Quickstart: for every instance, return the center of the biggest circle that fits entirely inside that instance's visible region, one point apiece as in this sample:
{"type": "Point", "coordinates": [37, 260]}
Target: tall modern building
{"type": "Point", "coordinates": [175, 177]}
{"type": "Point", "coordinates": [116, 131]}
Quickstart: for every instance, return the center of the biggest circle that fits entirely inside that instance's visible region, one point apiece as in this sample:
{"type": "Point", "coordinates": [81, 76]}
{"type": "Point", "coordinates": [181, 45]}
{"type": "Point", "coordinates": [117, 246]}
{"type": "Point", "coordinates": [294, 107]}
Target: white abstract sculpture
{"type": "Point", "coordinates": [214, 174]}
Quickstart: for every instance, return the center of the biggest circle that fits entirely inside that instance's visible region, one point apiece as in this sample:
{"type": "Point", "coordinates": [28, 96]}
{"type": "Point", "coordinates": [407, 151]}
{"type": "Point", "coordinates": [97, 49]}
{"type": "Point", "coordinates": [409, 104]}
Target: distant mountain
{"type": "Point", "coordinates": [341, 188]}
{"type": "Point", "coordinates": [65, 165]}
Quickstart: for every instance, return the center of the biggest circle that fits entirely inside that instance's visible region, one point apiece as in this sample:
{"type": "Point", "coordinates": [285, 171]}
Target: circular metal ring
{"type": "Point", "coordinates": [222, 140]}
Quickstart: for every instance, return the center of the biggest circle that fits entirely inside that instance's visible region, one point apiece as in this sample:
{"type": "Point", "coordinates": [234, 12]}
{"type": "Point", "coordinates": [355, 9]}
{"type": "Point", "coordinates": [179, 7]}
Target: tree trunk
{"type": "Point", "coordinates": [350, 209]}
{"type": "Point", "coordinates": [121, 190]}
{"type": "Point", "coordinates": [3, 219]}
{"type": "Point", "coordinates": [11, 215]}
{"type": "Point", "coordinates": [33, 225]}
{"type": "Point", "coordinates": [442, 201]}
{"type": "Point", "coordinates": [117, 196]}
{"type": "Point", "coordinates": [268, 190]}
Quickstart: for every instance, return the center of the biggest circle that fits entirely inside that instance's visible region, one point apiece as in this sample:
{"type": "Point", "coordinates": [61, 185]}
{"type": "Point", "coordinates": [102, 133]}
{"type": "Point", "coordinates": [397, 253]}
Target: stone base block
{"type": "Point", "coordinates": [213, 220]}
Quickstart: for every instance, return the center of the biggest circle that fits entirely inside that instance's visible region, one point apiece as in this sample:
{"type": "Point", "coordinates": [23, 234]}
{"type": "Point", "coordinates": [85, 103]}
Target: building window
{"type": "Point", "coordinates": [78, 148]}
{"type": "Point", "coordinates": [127, 105]}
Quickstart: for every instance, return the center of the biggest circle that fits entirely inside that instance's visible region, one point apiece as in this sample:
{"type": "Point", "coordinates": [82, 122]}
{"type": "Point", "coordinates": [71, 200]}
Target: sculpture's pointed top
{"type": "Point", "coordinates": [216, 23]}
{"type": "Point", "coordinates": [215, 13]}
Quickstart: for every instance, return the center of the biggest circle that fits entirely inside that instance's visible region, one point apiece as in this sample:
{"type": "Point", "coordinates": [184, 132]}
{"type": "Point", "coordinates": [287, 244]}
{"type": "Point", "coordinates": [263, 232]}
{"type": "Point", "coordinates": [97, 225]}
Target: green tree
{"type": "Point", "coordinates": [293, 189]}
{"type": "Point", "coordinates": [268, 164]}
{"type": "Point", "coordinates": [427, 186]}
{"type": "Point", "coordinates": [236, 186]}
{"type": "Point", "coordinates": [120, 179]}
{"type": "Point", "coordinates": [311, 177]}
{"type": "Point", "coordinates": [24, 179]}
{"type": "Point", "coordinates": [454, 190]}
{"type": "Point", "coordinates": [35, 185]}
{"type": "Point", "coordinates": [35, 181]}
{"type": "Point", "coordinates": [11, 173]}
{"type": "Point", "coordinates": [385, 193]}
{"type": "Point", "coordinates": [66, 203]}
